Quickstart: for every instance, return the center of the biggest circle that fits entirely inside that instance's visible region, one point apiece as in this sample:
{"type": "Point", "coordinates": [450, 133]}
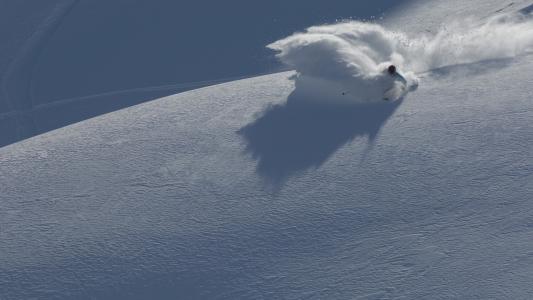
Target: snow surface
{"type": "Point", "coordinates": [245, 190]}
{"type": "Point", "coordinates": [64, 61]}
{"type": "Point", "coordinates": [353, 56]}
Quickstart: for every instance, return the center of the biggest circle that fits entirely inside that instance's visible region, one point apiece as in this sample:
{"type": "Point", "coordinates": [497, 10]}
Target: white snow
{"type": "Point", "coordinates": [64, 61]}
{"type": "Point", "coordinates": [244, 190]}
{"type": "Point", "coordinates": [353, 56]}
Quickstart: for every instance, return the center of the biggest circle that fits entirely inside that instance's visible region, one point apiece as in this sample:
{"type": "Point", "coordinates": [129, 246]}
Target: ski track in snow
{"type": "Point", "coordinates": [438, 208]}
{"type": "Point", "coordinates": [14, 82]}
{"type": "Point", "coordinates": [168, 87]}
{"type": "Point", "coordinates": [239, 191]}
{"type": "Point", "coordinates": [17, 80]}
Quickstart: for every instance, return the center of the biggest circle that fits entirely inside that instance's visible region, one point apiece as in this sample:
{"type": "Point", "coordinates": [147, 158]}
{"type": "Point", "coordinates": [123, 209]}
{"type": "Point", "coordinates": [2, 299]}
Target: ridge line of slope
{"type": "Point", "coordinates": [51, 105]}
{"type": "Point", "coordinates": [193, 85]}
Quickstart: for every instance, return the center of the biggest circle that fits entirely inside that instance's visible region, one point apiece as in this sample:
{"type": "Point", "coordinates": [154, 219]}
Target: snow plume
{"type": "Point", "coordinates": [466, 42]}
{"type": "Point", "coordinates": [353, 56]}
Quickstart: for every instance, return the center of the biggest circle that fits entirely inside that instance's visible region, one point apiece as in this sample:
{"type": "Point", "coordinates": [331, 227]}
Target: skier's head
{"type": "Point", "coordinates": [392, 69]}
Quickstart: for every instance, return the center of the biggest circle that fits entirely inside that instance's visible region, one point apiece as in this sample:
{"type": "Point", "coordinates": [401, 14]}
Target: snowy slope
{"type": "Point", "coordinates": [421, 16]}
{"type": "Point", "coordinates": [114, 54]}
{"type": "Point", "coordinates": [234, 192]}
{"type": "Point", "coordinates": [162, 199]}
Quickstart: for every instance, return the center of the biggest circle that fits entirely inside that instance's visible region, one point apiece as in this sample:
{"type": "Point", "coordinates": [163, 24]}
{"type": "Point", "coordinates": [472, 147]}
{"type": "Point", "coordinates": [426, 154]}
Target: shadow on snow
{"type": "Point", "coordinates": [300, 134]}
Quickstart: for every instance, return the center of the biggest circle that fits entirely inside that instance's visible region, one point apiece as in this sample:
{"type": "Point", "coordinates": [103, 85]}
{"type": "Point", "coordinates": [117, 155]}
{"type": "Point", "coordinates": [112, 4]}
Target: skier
{"type": "Point", "coordinates": [396, 90]}
{"type": "Point", "coordinates": [397, 76]}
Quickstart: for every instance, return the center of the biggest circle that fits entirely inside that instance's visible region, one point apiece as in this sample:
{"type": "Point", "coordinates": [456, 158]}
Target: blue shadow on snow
{"type": "Point", "coordinates": [300, 134]}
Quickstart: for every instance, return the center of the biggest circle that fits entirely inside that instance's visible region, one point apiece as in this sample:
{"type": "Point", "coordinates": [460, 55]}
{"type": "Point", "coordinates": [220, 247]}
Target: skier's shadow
{"type": "Point", "coordinates": [300, 134]}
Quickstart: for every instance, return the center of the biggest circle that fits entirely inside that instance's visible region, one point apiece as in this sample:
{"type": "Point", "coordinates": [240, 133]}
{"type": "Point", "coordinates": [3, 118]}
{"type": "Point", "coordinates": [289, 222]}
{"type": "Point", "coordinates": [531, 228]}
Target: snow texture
{"type": "Point", "coordinates": [352, 57]}
{"type": "Point", "coordinates": [64, 61]}
{"type": "Point", "coordinates": [246, 190]}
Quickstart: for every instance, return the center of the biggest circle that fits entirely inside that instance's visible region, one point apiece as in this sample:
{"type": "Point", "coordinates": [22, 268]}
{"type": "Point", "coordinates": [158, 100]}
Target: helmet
{"type": "Point", "coordinates": [392, 69]}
